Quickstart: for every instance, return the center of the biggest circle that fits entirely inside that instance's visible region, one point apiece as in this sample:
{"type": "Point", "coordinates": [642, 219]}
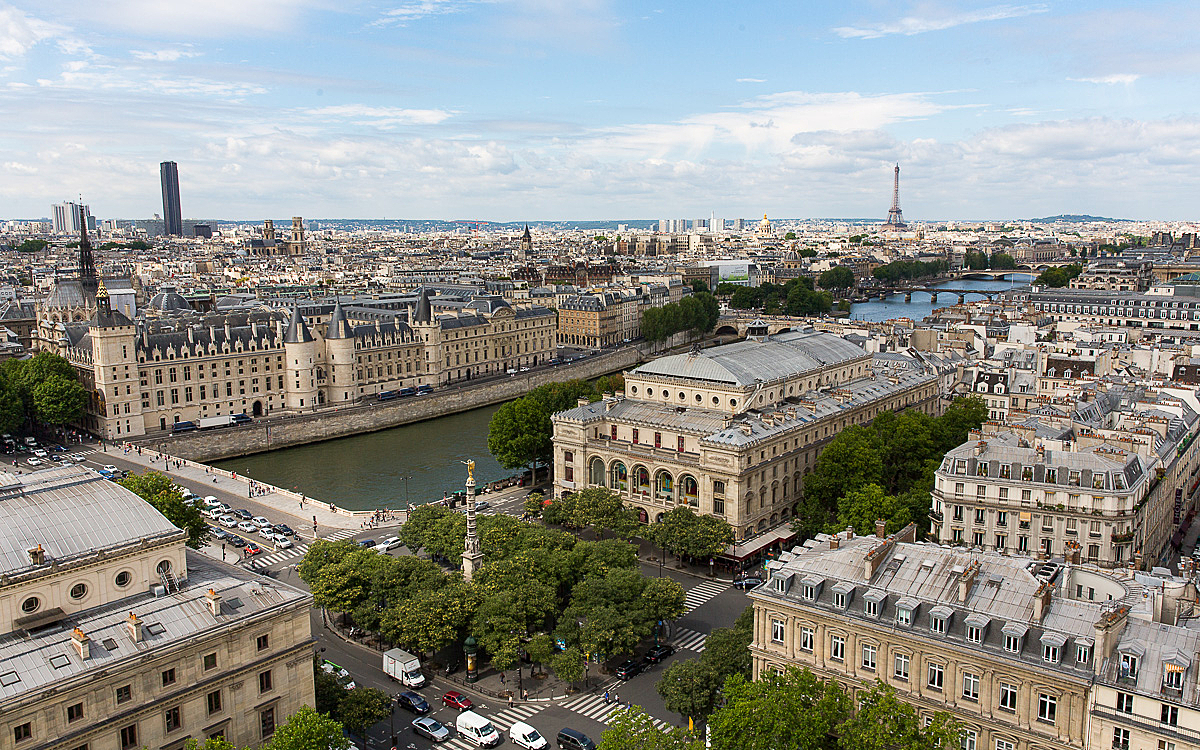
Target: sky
{"type": "Point", "coordinates": [511, 110]}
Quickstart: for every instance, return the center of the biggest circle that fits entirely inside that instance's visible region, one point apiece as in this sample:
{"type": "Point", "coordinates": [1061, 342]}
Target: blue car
{"type": "Point", "coordinates": [410, 701]}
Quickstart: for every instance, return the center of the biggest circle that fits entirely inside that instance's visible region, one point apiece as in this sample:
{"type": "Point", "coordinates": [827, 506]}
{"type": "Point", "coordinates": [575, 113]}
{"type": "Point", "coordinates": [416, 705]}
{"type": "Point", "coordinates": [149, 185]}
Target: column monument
{"type": "Point", "coordinates": [472, 556]}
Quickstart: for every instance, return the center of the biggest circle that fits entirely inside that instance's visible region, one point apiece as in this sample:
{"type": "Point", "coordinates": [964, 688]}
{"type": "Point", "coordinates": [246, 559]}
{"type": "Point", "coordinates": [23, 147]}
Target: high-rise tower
{"type": "Point", "coordinates": [895, 218]}
{"type": "Point", "coordinates": [172, 213]}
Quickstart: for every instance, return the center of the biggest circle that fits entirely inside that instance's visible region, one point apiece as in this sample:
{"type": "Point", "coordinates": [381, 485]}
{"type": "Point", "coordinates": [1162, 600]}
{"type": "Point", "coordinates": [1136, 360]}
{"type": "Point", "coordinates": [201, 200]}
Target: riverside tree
{"type": "Point", "coordinates": [158, 490]}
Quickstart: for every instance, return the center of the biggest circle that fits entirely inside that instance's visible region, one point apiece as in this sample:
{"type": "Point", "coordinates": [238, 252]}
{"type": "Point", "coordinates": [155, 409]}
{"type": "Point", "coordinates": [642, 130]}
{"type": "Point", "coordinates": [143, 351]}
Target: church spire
{"type": "Point", "coordinates": [87, 264]}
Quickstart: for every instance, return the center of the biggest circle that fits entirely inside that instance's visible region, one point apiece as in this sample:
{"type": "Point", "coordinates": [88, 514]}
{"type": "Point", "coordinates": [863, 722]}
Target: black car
{"type": "Point", "coordinates": [235, 540]}
{"type": "Point", "coordinates": [747, 583]}
{"type": "Point", "coordinates": [629, 668]}
{"type": "Point", "coordinates": [366, 542]}
{"type": "Point", "coordinates": [243, 514]}
{"type": "Point", "coordinates": [657, 653]}
{"type": "Point", "coordinates": [410, 701]}
{"type": "Point", "coordinates": [283, 528]}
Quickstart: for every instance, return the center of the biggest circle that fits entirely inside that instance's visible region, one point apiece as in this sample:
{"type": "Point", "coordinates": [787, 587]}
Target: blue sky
{"type": "Point", "coordinates": [535, 109]}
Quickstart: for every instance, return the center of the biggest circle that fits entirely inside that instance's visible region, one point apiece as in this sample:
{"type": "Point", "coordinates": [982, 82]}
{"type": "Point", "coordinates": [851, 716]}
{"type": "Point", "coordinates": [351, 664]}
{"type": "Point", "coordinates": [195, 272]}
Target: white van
{"type": "Point", "coordinates": [477, 729]}
{"type": "Point", "coordinates": [525, 736]}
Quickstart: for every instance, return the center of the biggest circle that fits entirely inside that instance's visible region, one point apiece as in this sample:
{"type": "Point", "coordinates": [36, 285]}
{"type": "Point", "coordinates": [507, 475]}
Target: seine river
{"type": "Point", "coordinates": [367, 471]}
{"type": "Point", "coordinates": [895, 306]}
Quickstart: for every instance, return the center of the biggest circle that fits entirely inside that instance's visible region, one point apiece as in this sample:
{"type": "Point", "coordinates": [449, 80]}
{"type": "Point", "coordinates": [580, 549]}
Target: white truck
{"type": "Point", "coordinates": [403, 667]}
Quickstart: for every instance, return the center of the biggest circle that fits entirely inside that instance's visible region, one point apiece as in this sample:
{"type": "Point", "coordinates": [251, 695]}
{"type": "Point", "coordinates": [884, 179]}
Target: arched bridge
{"type": "Point", "coordinates": [739, 325]}
{"type": "Point", "coordinates": [933, 292]}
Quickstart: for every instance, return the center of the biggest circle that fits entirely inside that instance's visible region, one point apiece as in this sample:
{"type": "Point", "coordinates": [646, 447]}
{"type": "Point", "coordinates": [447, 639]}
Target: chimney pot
{"type": "Point", "coordinates": [37, 555]}
{"type": "Point", "coordinates": [835, 542]}
{"type": "Point", "coordinates": [134, 626]}
{"type": "Point", "coordinates": [880, 527]}
{"type": "Point", "coordinates": [81, 642]}
{"type": "Point", "coordinates": [213, 600]}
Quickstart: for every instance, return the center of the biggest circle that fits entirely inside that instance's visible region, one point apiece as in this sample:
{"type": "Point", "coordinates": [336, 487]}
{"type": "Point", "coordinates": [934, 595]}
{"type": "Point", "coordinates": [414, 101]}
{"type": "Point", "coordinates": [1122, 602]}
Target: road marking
{"type": "Point", "coordinates": [689, 639]}
{"type": "Point", "coordinates": [337, 536]}
{"type": "Point", "coordinates": [593, 707]}
{"type": "Point", "coordinates": [509, 716]}
{"type": "Point", "coordinates": [702, 593]}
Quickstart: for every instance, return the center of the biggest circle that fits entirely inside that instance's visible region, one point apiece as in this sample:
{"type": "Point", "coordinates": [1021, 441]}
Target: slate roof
{"type": "Point", "coordinates": [297, 330]}
{"type": "Point", "coordinates": [339, 327]}
{"type": "Point", "coordinates": [70, 511]}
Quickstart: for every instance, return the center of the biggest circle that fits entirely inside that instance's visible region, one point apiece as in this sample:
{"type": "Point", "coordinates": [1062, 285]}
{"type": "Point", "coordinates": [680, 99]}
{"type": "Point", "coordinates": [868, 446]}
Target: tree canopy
{"type": "Point", "coordinates": [838, 277]}
{"type": "Point", "coordinates": [883, 470]}
{"type": "Point", "coordinates": [884, 722]}
{"type": "Point", "coordinates": [685, 533]}
{"type": "Point", "coordinates": [792, 710]}
{"type": "Point", "coordinates": [44, 387]}
{"type": "Point", "coordinates": [520, 432]}
{"type": "Point", "coordinates": [158, 490]}
{"type": "Point", "coordinates": [1060, 276]}
{"type": "Point", "coordinates": [689, 687]}
{"type": "Point", "coordinates": [697, 313]}
{"type": "Point", "coordinates": [796, 297]}
{"type": "Point", "coordinates": [634, 729]}
{"type": "Point", "coordinates": [907, 270]}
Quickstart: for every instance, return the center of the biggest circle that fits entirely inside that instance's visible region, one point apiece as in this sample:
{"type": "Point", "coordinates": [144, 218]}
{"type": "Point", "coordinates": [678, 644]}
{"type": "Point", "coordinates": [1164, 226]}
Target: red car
{"type": "Point", "coordinates": [252, 549]}
{"type": "Point", "coordinates": [457, 700]}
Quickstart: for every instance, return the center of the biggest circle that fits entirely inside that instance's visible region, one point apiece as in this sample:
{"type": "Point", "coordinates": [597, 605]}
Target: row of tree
{"type": "Point", "coordinates": [681, 532]}
{"type": "Point", "coordinates": [995, 261]}
{"type": "Point", "coordinates": [883, 470]}
{"type": "Point", "coordinates": [907, 270]}
{"type": "Point", "coordinates": [43, 388]}
{"type": "Point", "coordinates": [307, 729]}
{"type": "Point", "coordinates": [797, 297]}
{"type": "Point", "coordinates": [697, 313]}
{"type": "Point", "coordinates": [520, 432]}
{"type": "Point", "coordinates": [537, 585]}
{"type": "Point", "coordinates": [794, 710]}
{"type": "Point", "coordinates": [1060, 276]}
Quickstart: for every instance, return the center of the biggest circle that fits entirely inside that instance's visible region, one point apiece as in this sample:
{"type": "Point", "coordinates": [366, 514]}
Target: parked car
{"type": "Point", "coordinates": [38, 462]}
{"type": "Point", "coordinates": [283, 528]}
{"type": "Point", "coordinates": [243, 514]}
{"type": "Point", "coordinates": [410, 701]}
{"type": "Point", "coordinates": [110, 468]}
{"type": "Point", "coordinates": [211, 501]}
{"type": "Point", "coordinates": [573, 739]}
{"type": "Point", "coordinates": [455, 699]}
{"type": "Point", "coordinates": [431, 728]}
{"type": "Point", "coordinates": [366, 542]}
{"type": "Point", "coordinates": [41, 453]}
{"type": "Point", "coordinates": [657, 653]}
{"type": "Point", "coordinates": [261, 522]}
{"type": "Point", "coordinates": [628, 669]}
{"type": "Point", "coordinates": [229, 521]}
{"type": "Point", "coordinates": [748, 582]}
{"type": "Point", "coordinates": [247, 527]}
{"type": "Point", "coordinates": [235, 540]}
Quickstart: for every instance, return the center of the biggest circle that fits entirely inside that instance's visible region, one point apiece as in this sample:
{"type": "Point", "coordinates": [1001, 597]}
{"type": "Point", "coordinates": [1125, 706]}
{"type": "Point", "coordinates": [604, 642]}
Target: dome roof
{"type": "Point", "coordinates": [167, 300]}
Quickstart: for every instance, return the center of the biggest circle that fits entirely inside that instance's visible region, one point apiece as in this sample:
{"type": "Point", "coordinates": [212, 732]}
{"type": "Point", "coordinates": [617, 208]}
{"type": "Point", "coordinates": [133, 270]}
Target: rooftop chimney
{"type": "Point", "coordinates": [582, 401]}
{"type": "Point", "coordinates": [213, 600]}
{"type": "Point", "coordinates": [965, 580]}
{"type": "Point", "coordinates": [835, 541]}
{"type": "Point", "coordinates": [134, 626]}
{"type": "Point", "coordinates": [1108, 631]}
{"type": "Point", "coordinates": [81, 642]}
{"type": "Point", "coordinates": [880, 527]}
{"type": "Point", "coordinates": [37, 555]}
{"type": "Point", "coordinates": [1041, 601]}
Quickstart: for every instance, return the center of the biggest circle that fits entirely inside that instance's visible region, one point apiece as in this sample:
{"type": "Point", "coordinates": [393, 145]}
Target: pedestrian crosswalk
{"type": "Point", "coordinates": [596, 708]}
{"type": "Point", "coordinates": [282, 555]}
{"type": "Point", "coordinates": [337, 536]}
{"type": "Point", "coordinates": [703, 591]}
{"type": "Point", "coordinates": [502, 720]}
{"type": "Point", "coordinates": [688, 639]}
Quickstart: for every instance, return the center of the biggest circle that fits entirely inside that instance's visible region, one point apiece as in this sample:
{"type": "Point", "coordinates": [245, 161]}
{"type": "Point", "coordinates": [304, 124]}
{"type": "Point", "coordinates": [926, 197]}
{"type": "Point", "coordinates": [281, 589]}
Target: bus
{"type": "Point", "coordinates": [388, 395]}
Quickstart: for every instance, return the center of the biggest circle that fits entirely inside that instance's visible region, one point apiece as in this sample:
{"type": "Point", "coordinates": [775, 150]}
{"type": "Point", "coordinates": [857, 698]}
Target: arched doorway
{"type": "Point", "coordinates": [664, 485]}
{"type": "Point", "coordinates": [641, 480]}
{"type": "Point", "coordinates": [596, 472]}
{"type": "Point", "coordinates": [257, 409]}
{"type": "Point", "coordinates": [691, 490]}
{"type": "Point", "coordinates": [643, 516]}
{"type": "Point", "coordinates": [620, 477]}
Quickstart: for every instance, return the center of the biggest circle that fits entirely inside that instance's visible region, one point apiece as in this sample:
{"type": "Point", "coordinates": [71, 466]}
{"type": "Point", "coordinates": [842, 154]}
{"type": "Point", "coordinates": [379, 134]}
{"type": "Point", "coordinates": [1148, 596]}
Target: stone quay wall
{"type": "Point", "coordinates": [326, 424]}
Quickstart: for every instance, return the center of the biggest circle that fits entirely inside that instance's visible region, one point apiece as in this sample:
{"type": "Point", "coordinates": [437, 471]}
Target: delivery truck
{"type": "Point", "coordinates": [403, 667]}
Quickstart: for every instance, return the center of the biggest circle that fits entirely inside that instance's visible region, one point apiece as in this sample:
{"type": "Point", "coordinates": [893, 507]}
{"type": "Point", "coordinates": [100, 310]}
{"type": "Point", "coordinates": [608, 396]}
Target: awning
{"type": "Point", "coordinates": [39, 619]}
{"type": "Point", "coordinates": [754, 545]}
{"type": "Point", "coordinates": [1173, 667]}
{"type": "Point", "coordinates": [1026, 517]}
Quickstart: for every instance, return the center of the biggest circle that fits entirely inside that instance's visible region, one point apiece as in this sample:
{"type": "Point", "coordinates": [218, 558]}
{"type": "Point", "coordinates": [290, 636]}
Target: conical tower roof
{"type": "Point", "coordinates": [339, 327]}
{"type": "Point", "coordinates": [424, 311]}
{"type": "Point", "coordinates": [297, 331]}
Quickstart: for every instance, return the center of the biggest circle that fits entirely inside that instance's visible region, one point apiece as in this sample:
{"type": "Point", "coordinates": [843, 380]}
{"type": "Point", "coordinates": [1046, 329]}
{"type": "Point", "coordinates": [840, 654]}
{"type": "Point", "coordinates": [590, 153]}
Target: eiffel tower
{"type": "Point", "coordinates": [895, 218]}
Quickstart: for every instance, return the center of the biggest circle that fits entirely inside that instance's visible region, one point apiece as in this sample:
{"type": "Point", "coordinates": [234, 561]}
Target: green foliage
{"type": "Point", "coordinates": [790, 236]}
{"type": "Point", "coordinates": [838, 277]}
{"type": "Point", "coordinates": [727, 650]}
{"type": "Point", "coordinates": [699, 285]}
{"type": "Point", "coordinates": [211, 743]}
{"type": "Point", "coordinates": [12, 408]}
{"type": "Point", "coordinates": [807, 252]}
{"type": "Point", "coordinates": [1003, 261]}
{"type": "Point", "coordinates": [540, 649]}
{"type": "Point", "coordinates": [163, 494]}
{"type": "Point", "coordinates": [329, 692]}
{"type": "Point", "coordinates": [633, 729]}
{"type": "Point", "coordinates": [610, 614]}
{"type": "Point", "coordinates": [436, 529]}
{"type": "Point", "coordinates": [1060, 276]}
{"type": "Point", "coordinates": [884, 722]}
{"type": "Point", "coordinates": [363, 707]}
{"type": "Point", "coordinates": [689, 688]}
{"type": "Point", "coordinates": [897, 454]}
{"type": "Point", "coordinates": [31, 246]}
{"type": "Point", "coordinates": [520, 433]}
{"type": "Point", "coordinates": [433, 620]}
{"type": "Point", "coordinates": [58, 401]}
{"type": "Point", "coordinates": [796, 297]}
{"type": "Point", "coordinates": [533, 504]}
{"type": "Point", "coordinates": [907, 270]}
{"type": "Point", "coordinates": [698, 313]}
{"type": "Point", "coordinates": [685, 533]}
{"type": "Point", "coordinates": [598, 507]}
{"type": "Point", "coordinates": [568, 664]}
{"type": "Point", "coordinates": [308, 730]}
{"type": "Point", "coordinates": [976, 261]}
{"type": "Point", "coordinates": [792, 710]}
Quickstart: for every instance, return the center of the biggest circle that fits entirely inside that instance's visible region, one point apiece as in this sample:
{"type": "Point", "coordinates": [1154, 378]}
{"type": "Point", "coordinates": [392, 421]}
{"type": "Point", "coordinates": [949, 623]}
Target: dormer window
{"type": "Point", "coordinates": [905, 609]}
{"type": "Point", "coordinates": [1175, 664]}
{"type": "Point", "coordinates": [939, 619]}
{"type": "Point", "coordinates": [842, 594]}
{"type": "Point", "coordinates": [1050, 653]}
{"type": "Point", "coordinates": [1083, 652]}
{"type": "Point", "coordinates": [1173, 678]}
{"type": "Point", "coordinates": [1014, 637]}
{"type": "Point", "coordinates": [810, 592]}
{"type": "Point", "coordinates": [976, 625]}
{"type": "Point", "coordinates": [1129, 666]}
{"type": "Point", "coordinates": [872, 603]}
{"type": "Point", "coordinates": [839, 600]}
{"type": "Point", "coordinates": [812, 587]}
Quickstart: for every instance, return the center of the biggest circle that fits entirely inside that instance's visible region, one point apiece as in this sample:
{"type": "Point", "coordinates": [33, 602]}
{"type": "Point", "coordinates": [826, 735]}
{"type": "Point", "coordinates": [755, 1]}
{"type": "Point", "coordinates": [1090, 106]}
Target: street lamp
{"type": "Point", "coordinates": [406, 504]}
{"type": "Point", "coordinates": [392, 720]}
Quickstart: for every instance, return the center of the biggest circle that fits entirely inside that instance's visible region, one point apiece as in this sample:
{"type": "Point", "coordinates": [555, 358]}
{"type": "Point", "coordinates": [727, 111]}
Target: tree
{"type": "Point", "coordinates": [163, 494]}
{"type": "Point", "coordinates": [689, 688]}
{"type": "Point", "coordinates": [686, 534]}
{"type": "Point", "coordinates": [364, 707]}
{"type": "Point", "coordinates": [329, 692]}
{"type": "Point", "coordinates": [861, 507]}
{"type": "Point", "coordinates": [1003, 262]}
{"type": "Point", "coordinates": [699, 285]}
{"type": "Point", "coordinates": [849, 461]}
{"type": "Point", "coordinates": [633, 729]}
{"type": "Point", "coordinates": [793, 710]}
{"type": "Point", "coordinates": [540, 649]}
{"type": "Point", "coordinates": [533, 504]}
{"type": "Point", "coordinates": [432, 621]}
{"type": "Point", "coordinates": [1059, 277]}
{"type": "Point", "coordinates": [838, 277]}
{"type": "Point", "coordinates": [727, 650]}
{"type": "Point", "coordinates": [12, 408]}
{"type": "Point", "coordinates": [59, 401]}
{"type": "Point", "coordinates": [884, 722]}
{"type": "Point", "coordinates": [520, 433]}
{"type": "Point", "coordinates": [308, 730]}
{"type": "Point", "coordinates": [602, 509]}
{"type": "Point", "coordinates": [662, 599]}
{"type": "Point", "coordinates": [790, 236]}
{"type": "Point", "coordinates": [568, 665]}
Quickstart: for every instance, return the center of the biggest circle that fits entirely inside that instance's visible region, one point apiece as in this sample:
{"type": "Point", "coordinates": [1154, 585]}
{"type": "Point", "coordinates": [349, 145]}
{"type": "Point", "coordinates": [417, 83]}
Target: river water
{"type": "Point", "coordinates": [921, 305]}
{"type": "Point", "coordinates": [367, 471]}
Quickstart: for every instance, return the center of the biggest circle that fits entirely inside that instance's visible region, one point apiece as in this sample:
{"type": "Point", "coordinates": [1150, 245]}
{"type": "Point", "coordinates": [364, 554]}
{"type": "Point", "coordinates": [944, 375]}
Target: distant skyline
{"type": "Point", "coordinates": [506, 109]}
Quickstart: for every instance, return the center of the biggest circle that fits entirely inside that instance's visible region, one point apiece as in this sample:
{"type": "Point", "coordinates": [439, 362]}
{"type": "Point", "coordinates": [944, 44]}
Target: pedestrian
{"type": "Point", "coordinates": [524, 694]}
{"type": "Point", "coordinates": [510, 700]}
{"type": "Point", "coordinates": [606, 698]}
{"type": "Point", "coordinates": [501, 678]}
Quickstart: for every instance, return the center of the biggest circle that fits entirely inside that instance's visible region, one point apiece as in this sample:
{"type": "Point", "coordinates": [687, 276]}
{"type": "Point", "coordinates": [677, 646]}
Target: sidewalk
{"type": "Point", "coordinates": [197, 476]}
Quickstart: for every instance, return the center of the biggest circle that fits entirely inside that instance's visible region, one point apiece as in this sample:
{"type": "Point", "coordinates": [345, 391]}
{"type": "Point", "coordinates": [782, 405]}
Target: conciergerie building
{"type": "Point", "coordinates": [732, 430]}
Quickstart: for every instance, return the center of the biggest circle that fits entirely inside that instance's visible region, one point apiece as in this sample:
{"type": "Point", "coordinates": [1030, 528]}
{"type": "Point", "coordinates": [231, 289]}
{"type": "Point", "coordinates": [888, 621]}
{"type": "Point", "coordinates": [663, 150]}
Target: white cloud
{"type": "Point", "coordinates": [190, 19]}
{"type": "Point", "coordinates": [19, 32]}
{"type": "Point", "coordinates": [911, 25]}
{"type": "Point", "coordinates": [163, 55]}
{"type": "Point", "coordinates": [405, 13]}
{"type": "Point", "coordinates": [82, 75]}
{"type": "Point", "coordinates": [1123, 78]}
{"type": "Point", "coordinates": [378, 116]}
{"type": "Point", "coordinates": [751, 80]}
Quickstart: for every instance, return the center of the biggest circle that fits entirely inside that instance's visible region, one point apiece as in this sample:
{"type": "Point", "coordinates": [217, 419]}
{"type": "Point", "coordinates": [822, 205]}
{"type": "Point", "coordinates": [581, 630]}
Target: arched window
{"type": "Point", "coordinates": [691, 490]}
{"type": "Point", "coordinates": [664, 485]}
{"type": "Point", "coordinates": [596, 472]}
{"type": "Point", "coordinates": [620, 477]}
{"type": "Point", "coordinates": [641, 480]}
